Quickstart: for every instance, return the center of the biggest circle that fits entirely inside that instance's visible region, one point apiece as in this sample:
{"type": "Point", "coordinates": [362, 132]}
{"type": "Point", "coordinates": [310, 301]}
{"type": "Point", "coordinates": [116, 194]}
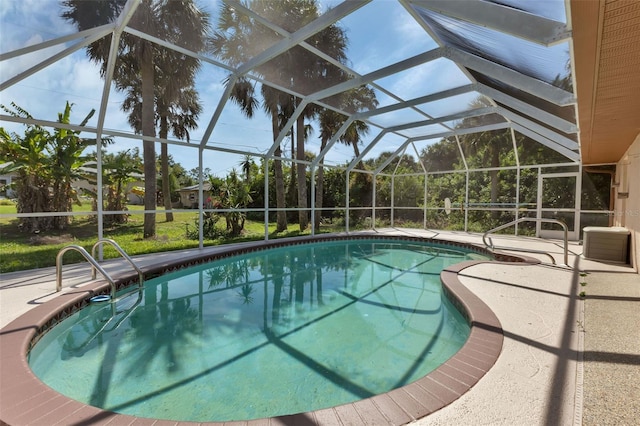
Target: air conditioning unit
{"type": "Point", "coordinates": [606, 244]}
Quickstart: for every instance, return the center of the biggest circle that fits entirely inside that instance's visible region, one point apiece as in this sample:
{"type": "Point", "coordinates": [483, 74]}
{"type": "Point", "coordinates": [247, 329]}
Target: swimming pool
{"type": "Point", "coordinates": [270, 313]}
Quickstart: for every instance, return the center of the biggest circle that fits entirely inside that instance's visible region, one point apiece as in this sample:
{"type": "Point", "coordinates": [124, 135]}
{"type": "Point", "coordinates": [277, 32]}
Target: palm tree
{"type": "Point", "coordinates": [245, 166]}
{"type": "Point", "coordinates": [177, 110]}
{"type": "Point", "coordinates": [238, 38]}
{"type": "Point", "coordinates": [356, 100]}
{"type": "Point", "coordinates": [312, 74]}
{"type": "Point", "coordinates": [177, 21]}
{"type": "Point", "coordinates": [486, 148]}
{"type": "Point", "coordinates": [180, 117]}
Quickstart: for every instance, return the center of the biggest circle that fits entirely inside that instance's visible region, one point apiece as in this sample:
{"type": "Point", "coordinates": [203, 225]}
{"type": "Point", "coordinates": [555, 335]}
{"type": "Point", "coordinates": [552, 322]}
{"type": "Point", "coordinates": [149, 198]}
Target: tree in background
{"type": "Point", "coordinates": [236, 40]}
{"type": "Point", "coordinates": [67, 155]}
{"type": "Point", "coordinates": [313, 73]}
{"type": "Point", "coordinates": [356, 100]}
{"type": "Point", "coordinates": [247, 165]}
{"type": "Point", "coordinates": [177, 21]}
{"type": "Point", "coordinates": [231, 194]}
{"type": "Point", "coordinates": [178, 178]}
{"type": "Point", "coordinates": [234, 194]}
{"type": "Point", "coordinates": [46, 165]}
{"type": "Point", "coordinates": [239, 38]}
{"type": "Point", "coordinates": [120, 170]}
{"type": "Point", "coordinates": [177, 103]}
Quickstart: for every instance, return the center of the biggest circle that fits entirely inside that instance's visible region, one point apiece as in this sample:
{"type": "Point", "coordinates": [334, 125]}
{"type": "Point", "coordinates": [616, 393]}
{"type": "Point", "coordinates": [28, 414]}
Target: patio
{"type": "Point", "coordinates": [564, 360]}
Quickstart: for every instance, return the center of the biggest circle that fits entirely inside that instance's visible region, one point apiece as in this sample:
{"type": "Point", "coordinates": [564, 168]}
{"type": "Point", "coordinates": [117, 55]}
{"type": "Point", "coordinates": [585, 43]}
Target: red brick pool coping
{"type": "Point", "coordinates": [25, 400]}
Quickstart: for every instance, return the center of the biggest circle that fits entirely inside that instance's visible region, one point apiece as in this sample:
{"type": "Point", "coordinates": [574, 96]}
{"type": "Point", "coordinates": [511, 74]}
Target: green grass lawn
{"type": "Point", "coordinates": [20, 251]}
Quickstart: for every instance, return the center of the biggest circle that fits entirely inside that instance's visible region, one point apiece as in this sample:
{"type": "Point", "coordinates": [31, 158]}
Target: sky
{"type": "Point", "coordinates": [380, 34]}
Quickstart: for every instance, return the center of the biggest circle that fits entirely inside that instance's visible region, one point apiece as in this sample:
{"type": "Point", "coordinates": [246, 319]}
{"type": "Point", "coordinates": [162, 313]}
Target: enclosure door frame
{"type": "Point", "coordinates": [547, 212]}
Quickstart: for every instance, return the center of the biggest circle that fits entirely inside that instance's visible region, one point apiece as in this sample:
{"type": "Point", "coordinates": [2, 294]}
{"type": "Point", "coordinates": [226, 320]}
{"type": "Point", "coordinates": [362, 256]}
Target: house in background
{"type": "Point", "coordinates": [5, 181]}
{"type": "Point", "coordinates": [189, 195]}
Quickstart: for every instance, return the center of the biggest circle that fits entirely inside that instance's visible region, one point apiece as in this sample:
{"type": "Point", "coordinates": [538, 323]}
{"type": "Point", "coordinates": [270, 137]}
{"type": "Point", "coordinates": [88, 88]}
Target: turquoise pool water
{"type": "Point", "coordinates": [273, 332]}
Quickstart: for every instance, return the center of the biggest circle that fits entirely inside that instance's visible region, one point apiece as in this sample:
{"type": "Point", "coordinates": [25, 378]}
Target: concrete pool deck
{"type": "Point", "coordinates": [564, 359]}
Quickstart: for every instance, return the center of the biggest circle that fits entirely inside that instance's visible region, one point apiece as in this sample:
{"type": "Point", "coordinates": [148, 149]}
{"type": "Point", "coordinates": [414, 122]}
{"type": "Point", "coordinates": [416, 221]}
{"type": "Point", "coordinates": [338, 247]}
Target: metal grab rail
{"type": "Point", "coordinates": [89, 259]}
{"type": "Point", "coordinates": [530, 219]}
{"type": "Point", "coordinates": [122, 253]}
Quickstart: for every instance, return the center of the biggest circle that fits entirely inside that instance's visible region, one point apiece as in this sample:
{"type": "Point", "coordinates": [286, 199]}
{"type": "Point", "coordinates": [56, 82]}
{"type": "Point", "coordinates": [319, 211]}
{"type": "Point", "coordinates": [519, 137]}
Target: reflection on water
{"type": "Point", "coordinates": [274, 332]}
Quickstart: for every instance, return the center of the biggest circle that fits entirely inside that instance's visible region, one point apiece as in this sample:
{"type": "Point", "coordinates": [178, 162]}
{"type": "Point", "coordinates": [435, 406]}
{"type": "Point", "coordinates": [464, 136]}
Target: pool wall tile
{"type": "Point", "coordinates": [408, 403]}
{"type": "Point", "coordinates": [441, 392]}
{"type": "Point", "coordinates": [458, 374]}
{"type": "Point", "coordinates": [42, 407]}
{"type": "Point", "coordinates": [142, 422]}
{"type": "Point", "coordinates": [449, 382]}
{"type": "Point", "coordinates": [369, 412]}
{"type": "Point", "coordinates": [348, 415]}
{"type": "Point", "coordinates": [326, 417]}
{"type": "Point", "coordinates": [471, 370]}
{"type": "Point", "coordinates": [391, 409]}
{"type": "Point", "coordinates": [482, 361]}
{"type": "Point", "coordinates": [425, 398]}
{"type": "Point", "coordinates": [25, 399]}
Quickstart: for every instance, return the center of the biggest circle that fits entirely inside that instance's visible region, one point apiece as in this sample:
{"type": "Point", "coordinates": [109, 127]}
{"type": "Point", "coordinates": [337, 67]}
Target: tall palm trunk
{"type": "Point", "coordinates": [292, 192]}
{"type": "Point", "coordinates": [277, 166]}
{"type": "Point", "coordinates": [303, 216]}
{"type": "Point", "coordinates": [164, 169]}
{"type": "Point", "coordinates": [319, 191]}
{"type": "Point", "coordinates": [280, 195]}
{"type": "Point", "coordinates": [149, 149]}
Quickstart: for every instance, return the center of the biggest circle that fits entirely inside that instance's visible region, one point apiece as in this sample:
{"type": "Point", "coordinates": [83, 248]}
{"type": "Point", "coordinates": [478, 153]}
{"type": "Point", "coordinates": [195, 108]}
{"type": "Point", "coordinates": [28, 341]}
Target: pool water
{"type": "Point", "coordinates": [274, 332]}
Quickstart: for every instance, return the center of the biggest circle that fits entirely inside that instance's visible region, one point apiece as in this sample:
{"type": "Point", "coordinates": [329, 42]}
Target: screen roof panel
{"type": "Point", "coordinates": [425, 61]}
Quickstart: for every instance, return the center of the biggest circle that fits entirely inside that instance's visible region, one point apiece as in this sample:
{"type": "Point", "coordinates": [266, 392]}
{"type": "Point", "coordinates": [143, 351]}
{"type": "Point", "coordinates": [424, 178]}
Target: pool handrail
{"type": "Point", "coordinates": [90, 259]}
{"type": "Point", "coordinates": [491, 246]}
{"type": "Point", "coordinates": [122, 253]}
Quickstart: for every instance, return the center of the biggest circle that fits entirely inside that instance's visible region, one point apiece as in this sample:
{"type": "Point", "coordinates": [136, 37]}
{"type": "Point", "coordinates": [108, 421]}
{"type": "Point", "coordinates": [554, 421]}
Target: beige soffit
{"type": "Point", "coordinates": [606, 37]}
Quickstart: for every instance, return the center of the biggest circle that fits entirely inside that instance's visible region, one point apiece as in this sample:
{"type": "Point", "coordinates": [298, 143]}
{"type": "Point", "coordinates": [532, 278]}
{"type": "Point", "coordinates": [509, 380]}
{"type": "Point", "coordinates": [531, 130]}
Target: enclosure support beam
{"type": "Point", "coordinates": [374, 201]}
{"type": "Point", "coordinates": [216, 115]}
{"type": "Point", "coordinates": [392, 199]}
{"type": "Point", "coordinates": [287, 127]}
{"type": "Point", "coordinates": [515, 150]}
{"type": "Point", "coordinates": [332, 141]}
{"type": "Point", "coordinates": [122, 21]}
{"type": "Point", "coordinates": [313, 200]}
{"type": "Point", "coordinates": [200, 197]}
{"type": "Point", "coordinates": [530, 110]}
{"type": "Point", "coordinates": [424, 207]}
{"type": "Point", "coordinates": [346, 212]}
{"type": "Point", "coordinates": [266, 199]}
{"type": "Point", "coordinates": [541, 130]}
{"type": "Point", "coordinates": [366, 150]}
{"type": "Point", "coordinates": [315, 26]}
{"type": "Point", "coordinates": [466, 202]}
{"type": "Point", "coordinates": [520, 81]}
{"type": "Point", "coordinates": [55, 58]}
{"type": "Point", "coordinates": [505, 19]}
